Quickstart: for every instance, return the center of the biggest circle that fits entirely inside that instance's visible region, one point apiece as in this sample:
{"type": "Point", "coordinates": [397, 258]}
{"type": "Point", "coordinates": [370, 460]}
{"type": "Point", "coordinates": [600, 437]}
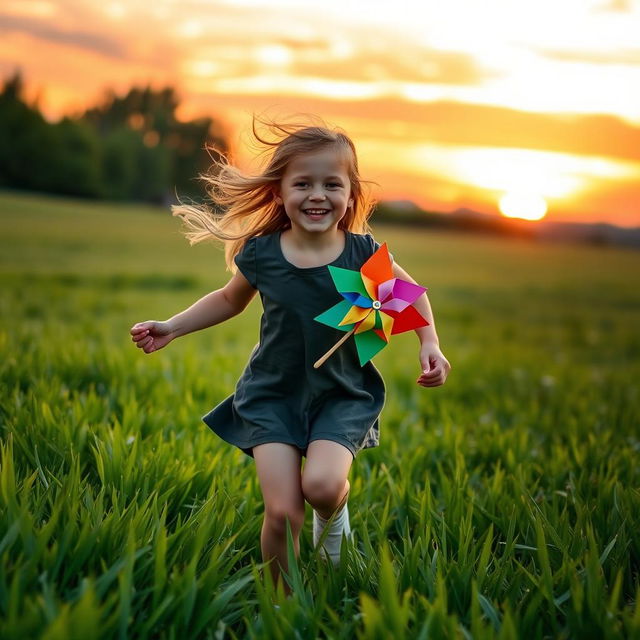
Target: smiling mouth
{"type": "Point", "coordinates": [315, 212]}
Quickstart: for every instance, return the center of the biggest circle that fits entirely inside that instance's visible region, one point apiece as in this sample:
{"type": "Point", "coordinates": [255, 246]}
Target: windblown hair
{"type": "Point", "coordinates": [245, 205]}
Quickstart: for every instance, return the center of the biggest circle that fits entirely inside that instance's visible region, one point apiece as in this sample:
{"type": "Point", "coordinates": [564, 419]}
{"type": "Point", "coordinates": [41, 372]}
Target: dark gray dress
{"type": "Point", "coordinates": [280, 397]}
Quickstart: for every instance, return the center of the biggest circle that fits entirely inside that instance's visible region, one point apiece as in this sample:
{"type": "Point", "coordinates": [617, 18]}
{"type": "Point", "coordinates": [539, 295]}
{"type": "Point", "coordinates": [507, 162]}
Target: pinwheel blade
{"type": "Point", "coordinates": [371, 287]}
{"type": "Point", "coordinates": [367, 323]}
{"type": "Point", "coordinates": [355, 314]}
{"type": "Point", "coordinates": [407, 320]}
{"type": "Point", "coordinates": [397, 294]}
{"type": "Point", "coordinates": [347, 280]}
{"type": "Point", "coordinates": [334, 316]}
{"type": "Point", "coordinates": [378, 267]}
{"type": "Point", "coordinates": [367, 345]}
{"type": "Point", "coordinates": [387, 325]}
{"type": "Point", "coordinates": [357, 299]}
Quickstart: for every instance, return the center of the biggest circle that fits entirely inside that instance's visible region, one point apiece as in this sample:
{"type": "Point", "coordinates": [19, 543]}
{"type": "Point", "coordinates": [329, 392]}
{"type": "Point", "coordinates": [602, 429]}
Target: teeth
{"type": "Point", "coordinates": [315, 211]}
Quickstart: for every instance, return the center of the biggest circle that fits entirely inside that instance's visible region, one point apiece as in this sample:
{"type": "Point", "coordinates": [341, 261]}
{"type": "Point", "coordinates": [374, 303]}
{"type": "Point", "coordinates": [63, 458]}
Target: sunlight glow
{"type": "Point", "coordinates": [201, 68]}
{"type": "Point", "coordinates": [190, 29]}
{"type": "Point", "coordinates": [548, 173]}
{"type": "Point", "coordinates": [115, 10]}
{"type": "Point", "coordinates": [529, 177]}
{"type": "Point", "coordinates": [527, 206]}
{"type": "Point", "coordinates": [274, 55]}
{"type": "Point", "coordinates": [276, 83]}
{"type": "Point", "coordinates": [521, 170]}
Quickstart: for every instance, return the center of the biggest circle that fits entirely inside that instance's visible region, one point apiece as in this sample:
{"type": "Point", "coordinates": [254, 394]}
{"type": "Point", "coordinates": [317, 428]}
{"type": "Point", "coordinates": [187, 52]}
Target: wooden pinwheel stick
{"type": "Point", "coordinates": [321, 361]}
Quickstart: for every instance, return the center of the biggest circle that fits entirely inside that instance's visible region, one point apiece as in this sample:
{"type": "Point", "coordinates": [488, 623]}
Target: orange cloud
{"type": "Point", "coordinates": [43, 30]}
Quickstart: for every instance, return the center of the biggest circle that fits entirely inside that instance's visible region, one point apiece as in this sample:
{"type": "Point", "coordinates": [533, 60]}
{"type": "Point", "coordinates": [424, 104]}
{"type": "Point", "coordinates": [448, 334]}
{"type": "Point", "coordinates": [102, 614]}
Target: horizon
{"type": "Point", "coordinates": [510, 109]}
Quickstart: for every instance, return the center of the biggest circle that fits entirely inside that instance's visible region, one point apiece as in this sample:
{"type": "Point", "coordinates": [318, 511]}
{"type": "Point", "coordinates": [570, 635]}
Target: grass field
{"type": "Point", "coordinates": [504, 504]}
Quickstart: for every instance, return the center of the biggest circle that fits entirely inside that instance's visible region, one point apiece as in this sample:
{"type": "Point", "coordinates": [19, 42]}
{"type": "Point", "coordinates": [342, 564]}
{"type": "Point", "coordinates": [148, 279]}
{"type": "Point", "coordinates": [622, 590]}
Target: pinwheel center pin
{"type": "Point", "coordinates": [375, 306]}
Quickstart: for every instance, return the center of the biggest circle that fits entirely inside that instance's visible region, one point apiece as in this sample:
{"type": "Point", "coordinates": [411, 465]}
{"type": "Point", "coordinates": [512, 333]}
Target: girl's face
{"type": "Point", "coordinates": [315, 190]}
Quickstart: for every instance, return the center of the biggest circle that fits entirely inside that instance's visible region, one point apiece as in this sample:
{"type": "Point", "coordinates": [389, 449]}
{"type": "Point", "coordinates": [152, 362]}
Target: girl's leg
{"type": "Point", "coordinates": [278, 468]}
{"type": "Point", "coordinates": [324, 477]}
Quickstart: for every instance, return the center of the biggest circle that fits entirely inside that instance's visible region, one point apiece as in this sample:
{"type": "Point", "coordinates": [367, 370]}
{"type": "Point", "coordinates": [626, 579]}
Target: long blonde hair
{"type": "Point", "coordinates": [245, 204]}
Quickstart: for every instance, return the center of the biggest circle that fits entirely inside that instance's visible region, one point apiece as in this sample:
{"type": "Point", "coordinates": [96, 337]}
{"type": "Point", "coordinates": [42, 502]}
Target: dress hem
{"type": "Point", "coordinates": [247, 446]}
{"type": "Point", "coordinates": [333, 437]}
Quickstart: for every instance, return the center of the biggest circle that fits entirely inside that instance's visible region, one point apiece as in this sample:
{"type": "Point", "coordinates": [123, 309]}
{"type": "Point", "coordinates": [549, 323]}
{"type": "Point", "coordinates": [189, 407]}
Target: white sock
{"type": "Point", "coordinates": [333, 539]}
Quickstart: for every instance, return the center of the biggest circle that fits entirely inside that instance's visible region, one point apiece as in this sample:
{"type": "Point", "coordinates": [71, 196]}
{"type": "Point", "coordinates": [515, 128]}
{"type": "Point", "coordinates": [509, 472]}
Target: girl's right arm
{"type": "Point", "coordinates": [212, 309]}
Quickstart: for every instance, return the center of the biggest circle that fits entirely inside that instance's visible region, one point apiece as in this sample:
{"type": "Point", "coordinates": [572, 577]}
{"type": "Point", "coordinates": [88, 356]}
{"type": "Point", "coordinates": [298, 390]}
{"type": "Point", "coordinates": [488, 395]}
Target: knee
{"type": "Point", "coordinates": [323, 492]}
{"type": "Point", "coordinates": [276, 516]}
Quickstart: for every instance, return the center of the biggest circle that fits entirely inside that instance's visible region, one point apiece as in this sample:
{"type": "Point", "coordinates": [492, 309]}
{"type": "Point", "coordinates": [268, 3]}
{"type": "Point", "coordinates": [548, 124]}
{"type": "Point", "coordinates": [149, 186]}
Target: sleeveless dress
{"type": "Point", "coordinates": [280, 397]}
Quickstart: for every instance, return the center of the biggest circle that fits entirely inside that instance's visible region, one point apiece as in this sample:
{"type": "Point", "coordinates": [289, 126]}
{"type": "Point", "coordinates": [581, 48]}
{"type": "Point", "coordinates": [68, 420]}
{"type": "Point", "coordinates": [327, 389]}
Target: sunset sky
{"type": "Point", "coordinates": [502, 104]}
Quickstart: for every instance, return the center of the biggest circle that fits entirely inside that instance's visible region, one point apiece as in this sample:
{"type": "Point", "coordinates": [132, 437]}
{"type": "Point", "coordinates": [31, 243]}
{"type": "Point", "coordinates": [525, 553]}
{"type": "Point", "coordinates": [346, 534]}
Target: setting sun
{"type": "Point", "coordinates": [523, 205]}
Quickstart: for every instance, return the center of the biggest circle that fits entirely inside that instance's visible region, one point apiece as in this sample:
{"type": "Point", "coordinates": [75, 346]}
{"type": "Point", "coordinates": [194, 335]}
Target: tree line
{"type": "Point", "coordinates": [129, 147]}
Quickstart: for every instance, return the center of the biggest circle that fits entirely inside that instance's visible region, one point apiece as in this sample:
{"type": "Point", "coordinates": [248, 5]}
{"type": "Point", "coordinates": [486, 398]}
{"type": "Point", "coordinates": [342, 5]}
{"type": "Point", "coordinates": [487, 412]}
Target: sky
{"type": "Point", "coordinates": [510, 107]}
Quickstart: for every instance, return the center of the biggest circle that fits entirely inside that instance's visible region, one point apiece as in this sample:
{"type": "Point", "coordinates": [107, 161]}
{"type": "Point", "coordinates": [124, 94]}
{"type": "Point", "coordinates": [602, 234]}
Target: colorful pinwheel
{"type": "Point", "coordinates": [376, 306]}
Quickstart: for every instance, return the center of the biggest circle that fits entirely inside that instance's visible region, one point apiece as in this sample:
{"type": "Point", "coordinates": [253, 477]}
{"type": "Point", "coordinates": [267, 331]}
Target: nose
{"type": "Point", "coordinates": [317, 194]}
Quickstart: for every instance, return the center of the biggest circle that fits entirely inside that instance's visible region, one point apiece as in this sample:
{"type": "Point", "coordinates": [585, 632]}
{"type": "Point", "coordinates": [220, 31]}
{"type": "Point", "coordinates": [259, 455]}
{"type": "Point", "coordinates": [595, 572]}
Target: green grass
{"type": "Point", "coordinates": [505, 504]}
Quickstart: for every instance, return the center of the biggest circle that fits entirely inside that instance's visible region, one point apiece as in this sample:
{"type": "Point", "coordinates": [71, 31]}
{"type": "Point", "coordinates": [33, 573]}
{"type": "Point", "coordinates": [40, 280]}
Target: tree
{"type": "Point", "coordinates": [128, 147]}
{"type": "Point", "coordinates": [28, 144]}
{"type": "Point", "coordinates": [172, 153]}
{"type": "Point", "coordinates": [77, 169]}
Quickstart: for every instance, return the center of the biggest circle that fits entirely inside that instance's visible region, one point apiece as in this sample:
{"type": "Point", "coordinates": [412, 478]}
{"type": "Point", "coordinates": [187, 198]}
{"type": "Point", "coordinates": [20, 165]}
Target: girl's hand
{"type": "Point", "coordinates": [435, 367]}
{"type": "Point", "coordinates": [151, 335]}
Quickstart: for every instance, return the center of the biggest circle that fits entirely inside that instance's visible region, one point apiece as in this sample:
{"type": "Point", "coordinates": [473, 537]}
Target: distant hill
{"type": "Point", "coordinates": [467, 220]}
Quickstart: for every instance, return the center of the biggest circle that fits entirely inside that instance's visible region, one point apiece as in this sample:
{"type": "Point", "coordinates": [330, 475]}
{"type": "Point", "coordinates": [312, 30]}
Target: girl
{"type": "Point", "coordinates": [282, 228]}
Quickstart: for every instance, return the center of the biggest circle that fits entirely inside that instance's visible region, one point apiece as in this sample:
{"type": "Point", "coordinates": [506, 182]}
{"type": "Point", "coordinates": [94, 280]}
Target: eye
{"type": "Point", "coordinates": [334, 184]}
{"type": "Point", "coordinates": [299, 183]}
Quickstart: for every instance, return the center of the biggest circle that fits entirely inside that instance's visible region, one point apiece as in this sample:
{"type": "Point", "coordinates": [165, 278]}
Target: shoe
{"type": "Point", "coordinates": [333, 540]}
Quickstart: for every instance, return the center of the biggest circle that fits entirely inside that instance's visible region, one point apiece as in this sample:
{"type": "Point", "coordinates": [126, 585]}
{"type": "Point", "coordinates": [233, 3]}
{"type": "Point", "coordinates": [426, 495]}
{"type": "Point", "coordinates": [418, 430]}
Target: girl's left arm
{"type": "Point", "coordinates": [434, 366]}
